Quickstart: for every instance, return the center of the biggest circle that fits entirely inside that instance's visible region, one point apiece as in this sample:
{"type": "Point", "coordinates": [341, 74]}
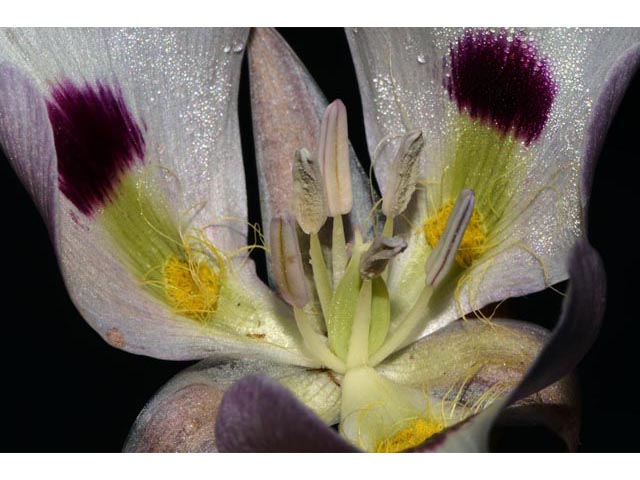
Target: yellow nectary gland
{"type": "Point", "coordinates": [412, 435]}
{"type": "Point", "coordinates": [473, 241]}
{"type": "Point", "coordinates": [192, 288]}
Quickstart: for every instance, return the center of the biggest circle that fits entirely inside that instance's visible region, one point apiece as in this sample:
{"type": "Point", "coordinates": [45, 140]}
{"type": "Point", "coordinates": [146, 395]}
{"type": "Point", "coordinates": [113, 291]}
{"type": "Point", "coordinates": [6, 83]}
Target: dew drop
{"type": "Point", "coordinates": [354, 29]}
{"type": "Point", "coordinates": [226, 49]}
{"type": "Point", "coordinates": [238, 47]}
{"type": "Point", "coordinates": [421, 60]}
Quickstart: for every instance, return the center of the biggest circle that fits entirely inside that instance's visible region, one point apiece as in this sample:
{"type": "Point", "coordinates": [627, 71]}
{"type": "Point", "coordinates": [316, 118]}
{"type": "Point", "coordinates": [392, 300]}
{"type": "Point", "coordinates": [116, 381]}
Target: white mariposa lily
{"type": "Point", "coordinates": [133, 159]}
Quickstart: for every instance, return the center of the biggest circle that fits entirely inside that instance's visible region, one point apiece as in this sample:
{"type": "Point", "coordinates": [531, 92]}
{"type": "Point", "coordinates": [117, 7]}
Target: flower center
{"type": "Point", "coordinates": [347, 320]}
{"type": "Point", "coordinates": [191, 288]}
{"type": "Point", "coordinates": [474, 239]}
{"type": "Point", "coordinates": [415, 433]}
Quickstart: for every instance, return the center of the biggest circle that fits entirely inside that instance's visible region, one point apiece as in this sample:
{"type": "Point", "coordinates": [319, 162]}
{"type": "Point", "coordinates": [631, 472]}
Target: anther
{"type": "Point", "coordinates": [381, 251]}
{"type": "Point", "coordinates": [333, 155]}
{"type": "Point", "coordinates": [403, 174]}
{"type": "Point", "coordinates": [308, 192]}
{"type": "Point", "coordinates": [286, 262]}
{"type": "Point", "coordinates": [443, 255]}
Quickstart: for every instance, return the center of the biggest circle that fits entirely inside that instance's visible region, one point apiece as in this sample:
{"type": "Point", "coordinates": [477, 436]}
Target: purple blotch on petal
{"type": "Point", "coordinates": [501, 79]}
{"type": "Point", "coordinates": [96, 140]}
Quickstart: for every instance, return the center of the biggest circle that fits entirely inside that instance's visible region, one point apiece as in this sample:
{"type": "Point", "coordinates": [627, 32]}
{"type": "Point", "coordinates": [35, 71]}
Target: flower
{"type": "Point", "coordinates": [134, 162]}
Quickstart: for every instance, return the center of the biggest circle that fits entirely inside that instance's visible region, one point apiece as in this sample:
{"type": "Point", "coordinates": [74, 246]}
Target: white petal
{"type": "Point", "coordinates": [401, 77]}
{"type": "Point", "coordinates": [27, 140]}
{"type": "Point", "coordinates": [180, 84]}
{"type": "Point", "coordinates": [398, 93]}
{"type": "Point", "coordinates": [181, 87]}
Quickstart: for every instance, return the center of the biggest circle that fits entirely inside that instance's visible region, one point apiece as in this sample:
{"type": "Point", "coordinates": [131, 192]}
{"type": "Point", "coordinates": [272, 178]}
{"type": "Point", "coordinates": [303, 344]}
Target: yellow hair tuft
{"type": "Point", "coordinates": [473, 242]}
{"type": "Point", "coordinates": [415, 433]}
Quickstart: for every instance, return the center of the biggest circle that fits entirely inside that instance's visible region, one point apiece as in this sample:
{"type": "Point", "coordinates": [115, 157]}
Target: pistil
{"type": "Point", "coordinates": [359, 343]}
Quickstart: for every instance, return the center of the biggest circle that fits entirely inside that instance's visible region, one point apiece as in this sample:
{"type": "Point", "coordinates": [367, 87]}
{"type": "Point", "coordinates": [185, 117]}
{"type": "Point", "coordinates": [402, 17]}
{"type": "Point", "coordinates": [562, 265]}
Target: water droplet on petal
{"type": "Point", "coordinates": [238, 47]}
{"type": "Point", "coordinates": [226, 49]}
{"type": "Point", "coordinates": [354, 29]}
{"type": "Point", "coordinates": [421, 60]}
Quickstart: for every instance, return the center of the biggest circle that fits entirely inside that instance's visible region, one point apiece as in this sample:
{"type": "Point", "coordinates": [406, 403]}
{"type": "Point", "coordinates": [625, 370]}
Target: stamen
{"type": "Point", "coordinates": [437, 267]}
{"type": "Point", "coordinates": [288, 271]}
{"type": "Point", "coordinates": [443, 255]}
{"type": "Point", "coordinates": [387, 230]}
{"type": "Point", "coordinates": [473, 242]}
{"type": "Point", "coordinates": [338, 250]}
{"type": "Point", "coordinates": [382, 250]}
{"type": "Point", "coordinates": [320, 274]}
{"type": "Point", "coordinates": [308, 192]}
{"type": "Point", "coordinates": [404, 174]}
{"type": "Point", "coordinates": [334, 159]}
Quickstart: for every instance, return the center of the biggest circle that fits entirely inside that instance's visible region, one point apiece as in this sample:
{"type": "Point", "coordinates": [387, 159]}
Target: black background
{"type": "Point", "coordinates": [64, 389]}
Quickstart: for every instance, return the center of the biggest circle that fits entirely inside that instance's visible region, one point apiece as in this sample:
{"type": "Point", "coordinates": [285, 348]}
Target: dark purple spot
{"type": "Point", "coordinates": [502, 80]}
{"type": "Point", "coordinates": [96, 140]}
